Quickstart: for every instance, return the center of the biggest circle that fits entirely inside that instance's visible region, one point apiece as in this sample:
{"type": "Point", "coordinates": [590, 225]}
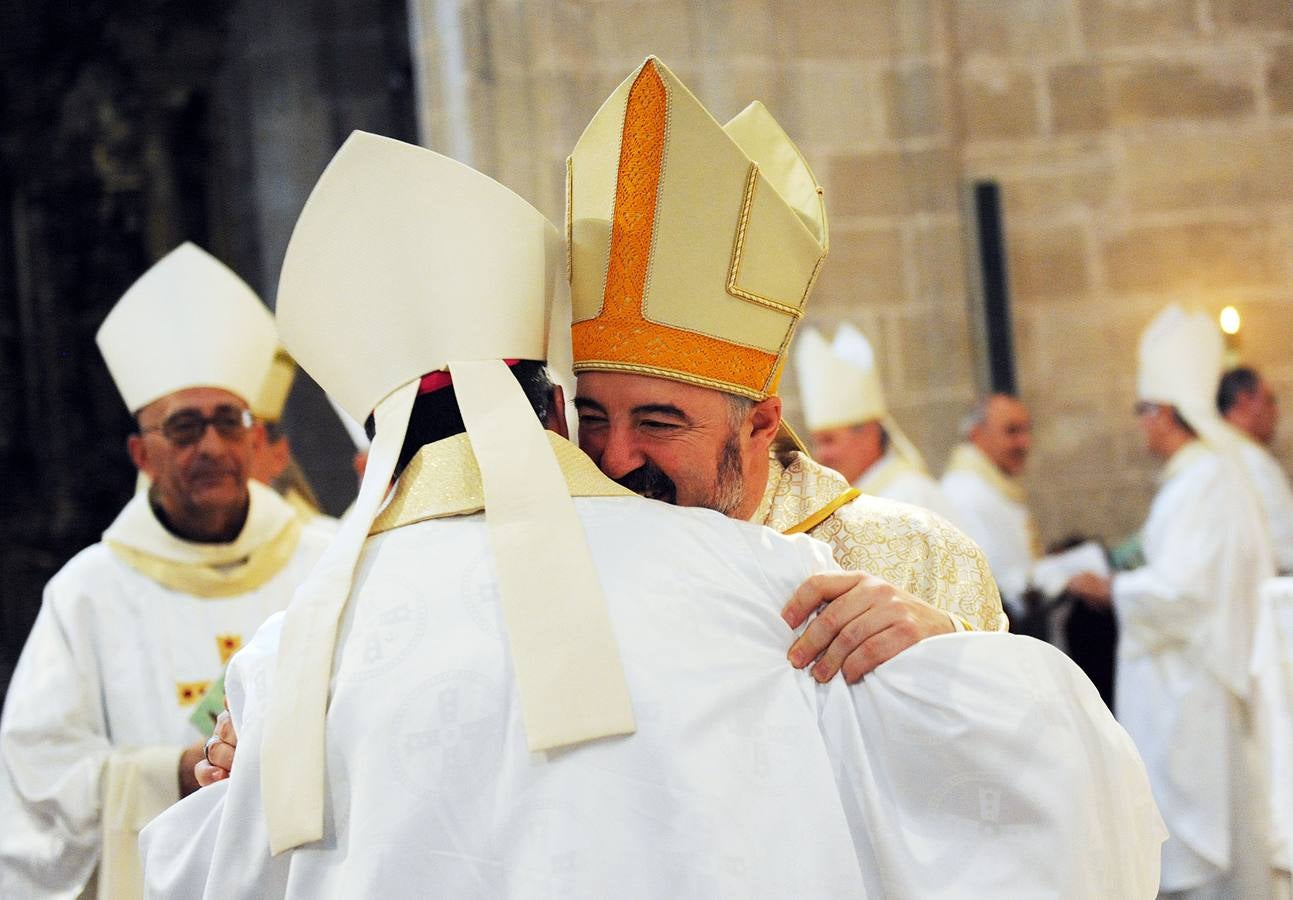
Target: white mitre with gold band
{"type": "Point", "coordinates": [839, 385]}
{"type": "Point", "coordinates": [405, 262]}
{"type": "Point", "coordinates": [188, 322]}
{"type": "Point", "coordinates": [1181, 358]}
{"type": "Point", "coordinates": [693, 246]}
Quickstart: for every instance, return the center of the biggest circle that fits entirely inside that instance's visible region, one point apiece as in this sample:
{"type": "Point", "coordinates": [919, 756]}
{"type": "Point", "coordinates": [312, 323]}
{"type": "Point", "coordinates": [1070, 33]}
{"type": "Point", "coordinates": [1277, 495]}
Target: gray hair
{"type": "Point", "coordinates": [977, 415]}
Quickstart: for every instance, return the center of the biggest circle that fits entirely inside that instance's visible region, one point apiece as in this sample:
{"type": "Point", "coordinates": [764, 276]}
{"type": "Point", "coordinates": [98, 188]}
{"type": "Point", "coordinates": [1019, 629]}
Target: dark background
{"type": "Point", "coordinates": [127, 128]}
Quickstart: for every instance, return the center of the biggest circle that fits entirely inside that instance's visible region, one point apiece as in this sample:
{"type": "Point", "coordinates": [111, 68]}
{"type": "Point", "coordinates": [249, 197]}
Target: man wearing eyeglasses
{"type": "Point", "coordinates": [103, 723]}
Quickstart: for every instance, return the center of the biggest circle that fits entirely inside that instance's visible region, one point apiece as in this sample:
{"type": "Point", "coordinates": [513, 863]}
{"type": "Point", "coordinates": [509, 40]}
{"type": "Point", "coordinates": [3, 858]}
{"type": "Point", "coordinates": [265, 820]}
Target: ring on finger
{"type": "Point", "coordinates": [211, 742]}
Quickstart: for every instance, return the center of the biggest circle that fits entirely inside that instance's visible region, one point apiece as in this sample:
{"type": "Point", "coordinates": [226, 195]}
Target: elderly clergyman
{"type": "Point", "coordinates": [693, 250]}
{"type": "Point", "coordinates": [1187, 620]}
{"type": "Point", "coordinates": [96, 737]}
{"type": "Point", "coordinates": [846, 413]}
{"type": "Point", "coordinates": [534, 680]}
{"type": "Point", "coordinates": [1247, 403]}
{"type": "Point", "coordinates": [982, 481]}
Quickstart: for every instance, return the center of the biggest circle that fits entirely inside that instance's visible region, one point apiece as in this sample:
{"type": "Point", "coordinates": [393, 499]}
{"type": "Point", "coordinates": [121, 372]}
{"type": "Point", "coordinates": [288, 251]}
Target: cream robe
{"type": "Point", "coordinates": [130, 634]}
{"type": "Point", "coordinates": [1272, 486]}
{"type": "Point", "coordinates": [1273, 717]}
{"type": "Point", "coordinates": [1187, 620]}
{"type": "Point", "coordinates": [744, 779]}
{"type": "Point", "coordinates": [910, 547]}
{"type": "Point", "coordinates": [992, 510]}
{"type": "Point", "coordinates": [893, 478]}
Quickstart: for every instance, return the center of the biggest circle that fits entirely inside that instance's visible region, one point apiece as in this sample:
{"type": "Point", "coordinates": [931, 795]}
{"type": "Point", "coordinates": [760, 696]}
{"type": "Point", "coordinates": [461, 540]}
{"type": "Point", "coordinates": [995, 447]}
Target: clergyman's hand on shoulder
{"type": "Point", "coordinates": [865, 622]}
{"type": "Point", "coordinates": [218, 761]}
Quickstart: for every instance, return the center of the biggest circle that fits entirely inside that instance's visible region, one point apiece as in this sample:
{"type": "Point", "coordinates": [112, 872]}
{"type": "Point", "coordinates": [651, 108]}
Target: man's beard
{"type": "Point", "coordinates": [725, 495]}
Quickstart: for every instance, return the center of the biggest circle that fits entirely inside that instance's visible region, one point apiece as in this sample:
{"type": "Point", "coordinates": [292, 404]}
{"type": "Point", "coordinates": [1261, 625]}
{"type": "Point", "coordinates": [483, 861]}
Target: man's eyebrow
{"type": "Point", "coordinates": [583, 403]}
{"type": "Point", "coordinates": [661, 409]}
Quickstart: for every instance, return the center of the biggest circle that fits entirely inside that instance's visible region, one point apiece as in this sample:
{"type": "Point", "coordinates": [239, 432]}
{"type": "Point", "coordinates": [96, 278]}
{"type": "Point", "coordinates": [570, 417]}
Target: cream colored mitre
{"type": "Point", "coordinates": [188, 322]}
{"type": "Point", "coordinates": [839, 385]}
{"type": "Point", "coordinates": [1181, 357]}
{"type": "Point", "coordinates": [405, 262]}
{"type": "Point", "coordinates": [693, 246]}
{"type": "Point", "coordinates": [272, 397]}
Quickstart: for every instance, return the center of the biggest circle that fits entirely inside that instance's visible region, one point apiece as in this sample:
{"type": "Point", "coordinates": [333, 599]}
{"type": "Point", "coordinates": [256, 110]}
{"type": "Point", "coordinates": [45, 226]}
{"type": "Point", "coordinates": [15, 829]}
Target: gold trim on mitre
{"type": "Point", "coordinates": [692, 247]}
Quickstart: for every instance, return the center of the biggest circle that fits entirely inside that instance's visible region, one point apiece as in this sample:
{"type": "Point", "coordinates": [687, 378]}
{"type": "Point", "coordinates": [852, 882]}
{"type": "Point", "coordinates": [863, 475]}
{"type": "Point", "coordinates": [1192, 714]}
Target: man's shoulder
{"type": "Point", "coordinates": [881, 519]}
{"type": "Point", "coordinates": [95, 567]}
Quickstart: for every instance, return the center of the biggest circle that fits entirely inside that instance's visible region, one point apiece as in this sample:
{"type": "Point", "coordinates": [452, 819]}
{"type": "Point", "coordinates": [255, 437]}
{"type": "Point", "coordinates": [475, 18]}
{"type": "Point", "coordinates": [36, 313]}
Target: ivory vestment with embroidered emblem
{"type": "Point", "coordinates": [131, 632]}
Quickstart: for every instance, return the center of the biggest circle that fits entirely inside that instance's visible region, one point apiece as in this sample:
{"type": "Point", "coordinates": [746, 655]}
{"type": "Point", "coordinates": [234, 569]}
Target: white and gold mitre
{"type": "Point", "coordinates": [1181, 357]}
{"type": "Point", "coordinates": [839, 384]}
{"type": "Point", "coordinates": [270, 400]}
{"type": "Point", "coordinates": [188, 322]}
{"type": "Point", "coordinates": [403, 263]}
{"type": "Point", "coordinates": [693, 246]}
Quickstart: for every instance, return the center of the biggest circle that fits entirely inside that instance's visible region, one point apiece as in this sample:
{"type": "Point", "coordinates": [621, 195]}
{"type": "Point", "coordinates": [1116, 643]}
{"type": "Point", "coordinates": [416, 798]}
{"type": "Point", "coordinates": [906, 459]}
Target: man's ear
{"type": "Point", "coordinates": [556, 420]}
{"type": "Point", "coordinates": [138, 452]}
{"type": "Point", "coordinates": [763, 422]}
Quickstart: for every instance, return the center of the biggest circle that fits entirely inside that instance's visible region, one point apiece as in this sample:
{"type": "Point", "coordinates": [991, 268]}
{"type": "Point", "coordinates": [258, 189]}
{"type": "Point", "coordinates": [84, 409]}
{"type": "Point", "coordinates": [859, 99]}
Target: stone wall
{"type": "Point", "coordinates": [1142, 146]}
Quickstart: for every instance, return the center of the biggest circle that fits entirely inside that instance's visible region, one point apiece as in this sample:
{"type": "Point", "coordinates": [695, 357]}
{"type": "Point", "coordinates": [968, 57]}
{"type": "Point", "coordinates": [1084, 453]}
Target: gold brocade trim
{"type": "Point", "coordinates": [210, 583]}
{"type": "Point", "coordinates": [570, 219]}
{"type": "Point", "coordinates": [824, 513]}
{"type": "Point", "coordinates": [443, 480]}
{"type": "Point", "coordinates": [738, 250]}
{"type": "Point", "coordinates": [227, 645]}
{"type": "Point", "coordinates": [599, 365]}
{"type": "Point", "coordinates": [190, 692]}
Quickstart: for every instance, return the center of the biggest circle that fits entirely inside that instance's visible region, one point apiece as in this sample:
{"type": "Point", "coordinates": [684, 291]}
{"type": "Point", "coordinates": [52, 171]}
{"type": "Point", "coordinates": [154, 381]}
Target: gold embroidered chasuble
{"type": "Point", "coordinates": [905, 545]}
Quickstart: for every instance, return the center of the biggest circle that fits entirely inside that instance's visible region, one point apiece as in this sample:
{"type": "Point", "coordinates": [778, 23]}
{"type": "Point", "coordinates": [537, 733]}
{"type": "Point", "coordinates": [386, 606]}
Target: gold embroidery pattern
{"type": "Point", "coordinates": [227, 645]}
{"type": "Point", "coordinates": [621, 337]}
{"type": "Point", "coordinates": [905, 545]}
{"type": "Point", "coordinates": [190, 692]}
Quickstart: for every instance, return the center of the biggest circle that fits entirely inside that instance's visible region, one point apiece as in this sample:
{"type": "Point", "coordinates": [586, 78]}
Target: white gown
{"type": "Point", "coordinates": [894, 478]}
{"type": "Point", "coordinates": [1187, 620]}
{"type": "Point", "coordinates": [1272, 486]}
{"type": "Point", "coordinates": [990, 509]}
{"type": "Point", "coordinates": [744, 779]}
{"type": "Point", "coordinates": [99, 708]}
{"type": "Point", "coordinates": [1273, 719]}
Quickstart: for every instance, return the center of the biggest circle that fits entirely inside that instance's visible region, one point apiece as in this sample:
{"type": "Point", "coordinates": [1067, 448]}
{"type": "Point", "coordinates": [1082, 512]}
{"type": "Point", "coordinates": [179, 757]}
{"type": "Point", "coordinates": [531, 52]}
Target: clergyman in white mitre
{"type": "Point", "coordinates": [580, 646]}
{"type": "Point", "coordinates": [845, 411]}
{"type": "Point", "coordinates": [1187, 621]}
{"type": "Point", "coordinates": [102, 724]}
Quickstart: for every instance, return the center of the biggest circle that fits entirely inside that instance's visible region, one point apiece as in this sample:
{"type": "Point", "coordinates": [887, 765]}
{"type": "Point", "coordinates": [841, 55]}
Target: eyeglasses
{"type": "Point", "coordinates": [186, 427]}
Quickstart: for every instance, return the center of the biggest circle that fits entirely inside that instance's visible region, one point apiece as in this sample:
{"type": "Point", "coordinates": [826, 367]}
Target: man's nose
{"type": "Point", "coordinates": [620, 455]}
{"type": "Point", "coordinates": [210, 443]}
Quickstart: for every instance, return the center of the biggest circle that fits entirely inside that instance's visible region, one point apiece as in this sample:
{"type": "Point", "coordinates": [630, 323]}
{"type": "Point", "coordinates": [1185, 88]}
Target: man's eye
{"type": "Point", "coordinates": [587, 421]}
{"type": "Point", "coordinates": [657, 426]}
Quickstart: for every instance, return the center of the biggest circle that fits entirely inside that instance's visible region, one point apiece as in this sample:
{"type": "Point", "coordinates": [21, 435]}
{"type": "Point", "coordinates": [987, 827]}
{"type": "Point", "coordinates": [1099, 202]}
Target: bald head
{"type": "Point", "coordinates": [1001, 428]}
